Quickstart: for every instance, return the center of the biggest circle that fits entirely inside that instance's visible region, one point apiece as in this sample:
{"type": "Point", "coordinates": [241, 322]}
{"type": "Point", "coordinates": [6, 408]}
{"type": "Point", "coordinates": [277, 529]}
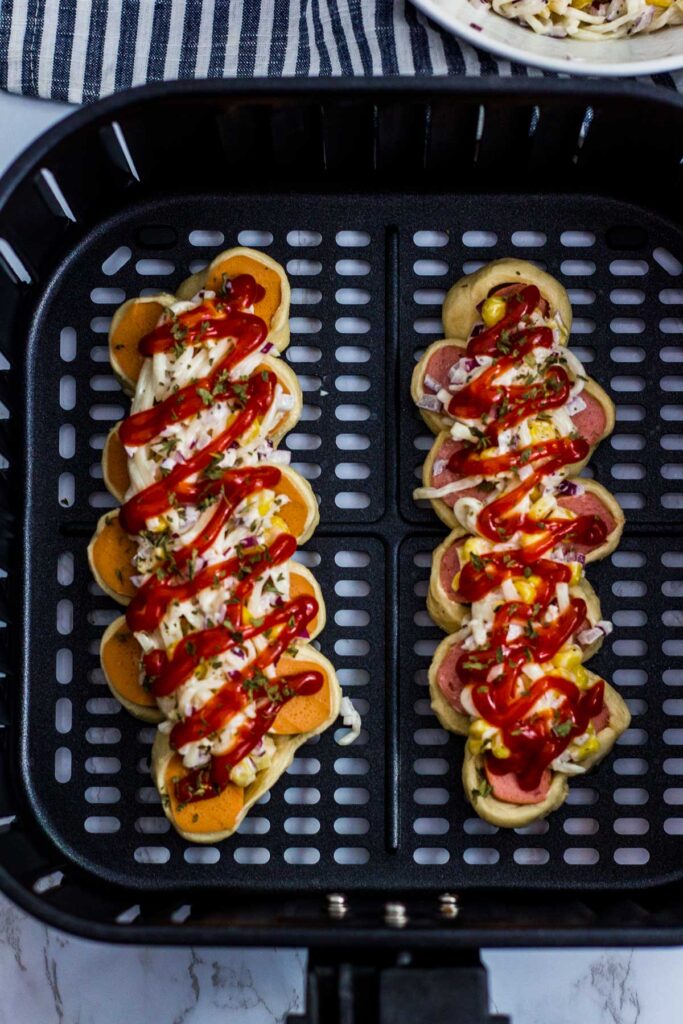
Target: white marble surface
{"type": "Point", "coordinates": [48, 977]}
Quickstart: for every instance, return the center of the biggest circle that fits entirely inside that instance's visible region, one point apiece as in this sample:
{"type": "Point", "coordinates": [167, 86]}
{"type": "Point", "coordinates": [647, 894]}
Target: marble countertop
{"type": "Point", "coordinates": [48, 977]}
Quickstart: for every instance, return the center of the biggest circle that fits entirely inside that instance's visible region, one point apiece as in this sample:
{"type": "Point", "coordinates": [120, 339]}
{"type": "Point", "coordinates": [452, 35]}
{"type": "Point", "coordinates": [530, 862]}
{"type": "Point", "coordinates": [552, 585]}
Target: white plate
{"type": "Point", "coordinates": [635, 55]}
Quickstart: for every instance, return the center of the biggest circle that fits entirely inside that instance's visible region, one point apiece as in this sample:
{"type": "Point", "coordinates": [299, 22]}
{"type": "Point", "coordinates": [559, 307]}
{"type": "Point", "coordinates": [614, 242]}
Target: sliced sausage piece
{"type": "Point", "coordinates": [450, 564]}
{"type": "Point", "coordinates": [601, 719]}
{"type": "Point", "coordinates": [448, 679]}
{"type": "Point", "coordinates": [587, 504]}
{"type": "Point", "coordinates": [440, 362]}
{"type": "Point", "coordinates": [507, 788]}
{"type": "Point", "coordinates": [447, 476]}
{"type": "Point", "coordinates": [591, 421]}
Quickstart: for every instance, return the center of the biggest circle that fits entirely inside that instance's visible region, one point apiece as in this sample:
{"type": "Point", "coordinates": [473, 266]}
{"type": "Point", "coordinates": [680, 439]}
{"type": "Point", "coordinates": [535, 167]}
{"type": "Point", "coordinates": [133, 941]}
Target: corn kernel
{"type": "Point", "coordinates": [591, 746]}
{"type": "Point", "coordinates": [244, 773]}
{"type": "Point", "coordinates": [568, 657]}
{"type": "Point", "coordinates": [473, 545]}
{"type": "Point", "coordinates": [455, 584]}
{"type": "Point", "coordinates": [474, 746]}
{"type": "Point", "coordinates": [264, 506]}
{"type": "Point", "coordinates": [478, 729]}
{"type": "Point", "coordinates": [581, 677]}
{"type": "Point", "coordinates": [577, 572]}
{"type": "Point", "coordinates": [542, 430]}
{"type": "Point", "coordinates": [498, 749]}
{"type": "Point", "coordinates": [493, 310]}
{"type": "Point", "coordinates": [580, 4]}
{"type": "Point", "coordinates": [526, 590]}
{"type": "Point", "coordinates": [279, 524]}
{"type": "Point", "coordinates": [247, 617]}
{"type": "Point", "coordinates": [660, 3]}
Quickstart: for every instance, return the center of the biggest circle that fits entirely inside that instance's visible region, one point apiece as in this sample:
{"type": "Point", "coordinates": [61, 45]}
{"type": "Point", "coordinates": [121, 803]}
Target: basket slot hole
{"type": "Point", "coordinates": [622, 354]}
{"type": "Point", "coordinates": [352, 471]}
{"type": "Point", "coordinates": [667, 261]}
{"type": "Point", "coordinates": [107, 296]}
{"type": "Point", "coordinates": [630, 617]}
{"type": "Point", "coordinates": [672, 500]}
{"type": "Point", "coordinates": [431, 826]}
{"type": "Point", "coordinates": [103, 616]}
{"type": "Point", "coordinates": [431, 737]}
{"type": "Point", "coordinates": [194, 267]}
{"type": "Point", "coordinates": [353, 442]}
{"type": "Point", "coordinates": [627, 383]}
{"type": "Point", "coordinates": [671, 383]}
{"type": "Point", "coordinates": [673, 797]}
{"type": "Point", "coordinates": [429, 296]}
{"type": "Point", "coordinates": [302, 795]}
{"type": "Point", "coordinates": [628, 559]}
{"type": "Point", "coordinates": [47, 882]}
{"type": "Point", "coordinates": [423, 620]}
{"type": "Point", "coordinates": [581, 296]}
{"type": "Point", "coordinates": [253, 826]}
{"type": "Point", "coordinates": [631, 796]}
{"type": "Point", "coordinates": [352, 354]}
{"type": "Point", "coordinates": [628, 471]}
{"type": "Point", "coordinates": [352, 296]}
{"type": "Point", "coordinates": [308, 558]}
{"type": "Point", "coordinates": [577, 268]}
{"type": "Point", "coordinates": [303, 354]}
{"type": "Point", "coordinates": [64, 666]}
{"type": "Point", "coordinates": [352, 559]}
{"type": "Point", "coordinates": [536, 828]}
{"type": "Point", "coordinates": [532, 855]}
{"type": "Point", "coordinates": [353, 617]}
{"type": "Point", "coordinates": [584, 353]}
{"type": "Point", "coordinates": [431, 855]}
{"type": "Point", "coordinates": [671, 413]}
{"type": "Point", "coordinates": [66, 489]}
{"type": "Point", "coordinates": [630, 413]}
{"type": "Point", "coordinates": [302, 826]}
{"type": "Point", "coordinates": [673, 559]}
{"type": "Point", "coordinates": [152, 826]}
{"type": "Point", "coordinates": [431, 766]}
{"type": "Point", "coordinates": [352, 325]}
{"type": "Point", "coordinates": [102, 765]}
{"type": "Point", "coordinates": [431, 796]}
{"type": "Point", "coordinates": [430, 268]}
{"type": "Point", "coordinates": [672, 353]}
{"type": "Point", "coordinates": [351, 796]}
{"type": "Point", "coordinates": [62, 764]}
{"type": "Point", "coordinates": [673, 618]}
{"type": "Point", "coordinates": [581, 826]}
{"type": "Point", "coordinates": [101, 324]}
{"type": "Point", "coordinates": [423, 559]}
{"type": "Point", "coordinates": [627, 296]}
{"type": "Point", "coordinates": [99, 354]}
{"type": "Point", "coordinates": [304, 442]}
{"type": "Point", "coordinates": [67, 393]}
{"type": "Point", "coordinates": [12, 263]}
{"type": "Point", "coordinates": [577, 239]}
{"type": "Point", "coordinates": [581, 855]}
{"type": "Point", "coordinates": [529, 239]}
{"type": "Point", "coordinates": [154, 267]}
{"type": "Point", "coordinates": [630, 676]}
{"type": "Point", "coordinates": [632, 766]}
{"type": "Point", "coordinates": [303, 238]}
{"type": "Point", "coordinates": [428, 325]}
{"type": "Point", "coordinates": [65, 568]}
{"type": "Point", "coordinates": [106, 412]}
{"type": "Point", "coordinates": [628, 442]}
{"type": "Point", "coordinates": [352, 382]}
{"type": "Point", "coordinates": [63, 715]}
{"type": "Point", "coordinates": [305, 325]}
{"type": "Point", "coordinates": [353, 676]}
{"type": "Point", "coordinates": [305, 297]}
{"type": "Point", "coordinates": [103, 795]}
{"type": "Point", "coordinates": [309, 470]}
{"type": "Point", "coordinates": [208, 238]}
{"type": "Point", "coordinates": [629, 588]}
{"type": "Point", "coordinates": [103, 706]}
{"type": "Point", "coordinates": [148, 795]}
{"type": "Point", "coordinates": [203, 855]}
{"type": "Point", "coordinates": [582, 797]}
{"type": "Point", "coordinates": [67, 440]}
{"type": "Point", "coordinates": [671, 296]}
{"type": "Point", "coordinates": [481, 855]}
{"type": "Point", "coordinates": [129, 915]}
{"type": "Point", "coordinates": [352, 499]}
{"type": "Point", "coordinates": [425, 648]}
{"type": "Point", "coordinates": [101, 824]}
{"type": "Point", "coordinates": [67, 344]}
{"type": "Point", "coordinates": [430, 239]}
{"type": "Point", "coordinates": [673, 648]}
{"type": "Point", "coordinates": [103, 734]}
{"type": "Point", "coordinates": [479, 239]}
{"type": "Point", "coordinates": [631, 826]}
{"type": "Point", "coordinates": [65, 617]}
{"type": "Point", "coordinates": [302, 855]}
{"type": "Point", "coordinates": [471, 266]}
{"type": "Point", "coordinates": [673, 707]}
{"type": "Point", "coordinates": [627, 325]}
{"type": "Point", "coordinates": [352, 239]}
{"type": "Point", "coordinates": [628, 268]}
{"type": "Point", "coordinates": [116, 261]}
{"type": "Point", "coordinates": [351, 413]}
{"type": "Point", "coordinates": [351, 766]}
{"type": "Point", "coordinates": [152, 855]}
{"type": "Point", "coordinates": [104, 382]}
{"type": "Point", "coordinates": [352, 826]}
{"type": "Point", "coordinates": [631, 855]}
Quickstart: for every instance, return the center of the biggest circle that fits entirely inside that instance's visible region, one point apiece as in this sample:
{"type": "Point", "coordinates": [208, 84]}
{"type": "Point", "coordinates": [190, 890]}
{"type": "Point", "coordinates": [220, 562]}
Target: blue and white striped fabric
{"type": "Point", "coordinates": [79, 50]}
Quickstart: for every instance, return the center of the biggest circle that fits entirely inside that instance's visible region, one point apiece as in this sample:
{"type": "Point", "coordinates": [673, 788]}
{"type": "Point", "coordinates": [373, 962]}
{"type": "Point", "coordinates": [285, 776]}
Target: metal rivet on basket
{"type": "Point", "coordinates": [448, 904]}
{"type": "Point", "coordinates": [395, 914]}
{"type": "Point", "coordinates": [336, 904]}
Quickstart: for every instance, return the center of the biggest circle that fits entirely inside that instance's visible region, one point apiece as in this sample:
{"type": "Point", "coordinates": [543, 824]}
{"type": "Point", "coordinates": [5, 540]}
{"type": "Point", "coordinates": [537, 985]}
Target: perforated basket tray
{"type": "Point", "coordinates": [375, 202]}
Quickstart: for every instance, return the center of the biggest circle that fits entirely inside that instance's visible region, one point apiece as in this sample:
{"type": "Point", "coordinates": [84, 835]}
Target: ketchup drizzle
{"type": "Point", "coordinates": [216, 319]}
{"type": "Point", "coordinates": [499, 692]}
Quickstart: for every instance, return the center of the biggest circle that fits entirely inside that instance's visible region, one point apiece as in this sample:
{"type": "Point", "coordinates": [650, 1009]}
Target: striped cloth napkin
{"type": "Point", "coordinates": [80, 50]}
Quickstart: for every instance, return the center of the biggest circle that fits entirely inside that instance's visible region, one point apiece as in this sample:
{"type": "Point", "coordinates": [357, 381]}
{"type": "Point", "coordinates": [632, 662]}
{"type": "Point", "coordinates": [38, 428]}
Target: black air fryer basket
{"type": "Point", "coordinates": [375, 197]}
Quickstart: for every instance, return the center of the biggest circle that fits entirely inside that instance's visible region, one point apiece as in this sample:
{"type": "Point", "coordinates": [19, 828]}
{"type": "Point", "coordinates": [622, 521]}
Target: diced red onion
{"type": "Point", "coordinates": [430, 402]}
{"type": "Point", "coordinates": [439, 466]}
{"type": "Point", "coordinates": [589, 636]}
{"type": "Point", "coordinates": [432, 383]}
{"type": "Point", "coordinates": [568, 489]}
{"type": "Point", "coordinates": [267, 346]}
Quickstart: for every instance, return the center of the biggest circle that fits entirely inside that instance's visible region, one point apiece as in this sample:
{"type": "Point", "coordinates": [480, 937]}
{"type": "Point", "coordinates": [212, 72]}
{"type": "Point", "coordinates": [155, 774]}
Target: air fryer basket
{"type": "Point", "coordinates": [375, 198]}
